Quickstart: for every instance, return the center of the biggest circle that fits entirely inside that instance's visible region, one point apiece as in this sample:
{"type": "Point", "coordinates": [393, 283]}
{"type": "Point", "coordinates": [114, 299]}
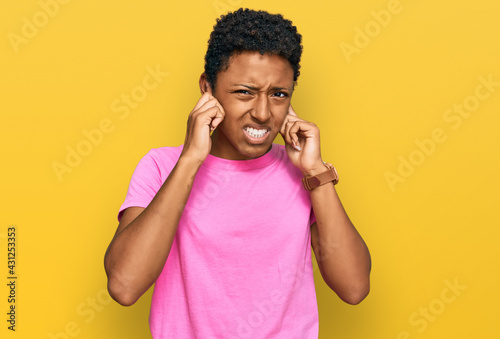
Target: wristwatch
{"type": "Point", "coordinates": [311, 182]}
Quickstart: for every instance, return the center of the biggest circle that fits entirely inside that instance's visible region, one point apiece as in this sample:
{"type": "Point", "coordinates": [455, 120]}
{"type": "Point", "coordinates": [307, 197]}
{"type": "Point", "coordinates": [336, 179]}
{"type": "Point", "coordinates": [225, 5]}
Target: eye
{"type": "Point", "coordinates": [242, 91]}
{"type": "Point", "coordinates": [280, 94]}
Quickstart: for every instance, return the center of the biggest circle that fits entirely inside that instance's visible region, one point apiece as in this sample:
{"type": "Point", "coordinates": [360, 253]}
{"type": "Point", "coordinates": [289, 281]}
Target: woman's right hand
{"type": "Point", "coordinates": [204, 118]}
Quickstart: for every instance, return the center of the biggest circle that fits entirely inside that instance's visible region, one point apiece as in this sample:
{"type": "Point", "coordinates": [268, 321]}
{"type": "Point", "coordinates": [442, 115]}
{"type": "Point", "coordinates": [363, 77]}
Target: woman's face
{"type": "Point", "coordinates": [255, 92]}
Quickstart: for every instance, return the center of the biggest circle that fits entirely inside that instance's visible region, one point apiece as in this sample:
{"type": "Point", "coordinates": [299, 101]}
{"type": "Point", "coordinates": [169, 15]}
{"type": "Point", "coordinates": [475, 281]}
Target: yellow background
{"type": "Point", "coordinates": [437, 225]}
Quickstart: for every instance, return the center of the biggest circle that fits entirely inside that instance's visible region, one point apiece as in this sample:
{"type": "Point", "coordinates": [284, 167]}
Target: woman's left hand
{"type": "Point", "coordinates": [302, 143]}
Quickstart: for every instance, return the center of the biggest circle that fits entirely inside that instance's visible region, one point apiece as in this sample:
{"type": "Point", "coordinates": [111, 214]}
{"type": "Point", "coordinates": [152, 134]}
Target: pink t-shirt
{"type": "Point", "coordinates": [240, 263]}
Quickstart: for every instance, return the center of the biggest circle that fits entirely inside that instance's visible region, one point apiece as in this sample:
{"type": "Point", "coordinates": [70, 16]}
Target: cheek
{"type": "Point", "coordinates": [281, 113]}
{"type": "Point", "coordinates": [233, 110]}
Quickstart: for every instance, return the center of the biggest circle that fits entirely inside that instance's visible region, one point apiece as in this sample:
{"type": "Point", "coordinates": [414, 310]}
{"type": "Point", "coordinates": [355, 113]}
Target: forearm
{"type": "Point", "coordinates": [342, 255]}
{"type": "Point", "coordinates": [137, 254]}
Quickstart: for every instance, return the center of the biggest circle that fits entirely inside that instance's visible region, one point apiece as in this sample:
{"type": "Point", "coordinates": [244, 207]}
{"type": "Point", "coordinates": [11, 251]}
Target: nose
{"type": "Point", "coordinates": [261, 110]}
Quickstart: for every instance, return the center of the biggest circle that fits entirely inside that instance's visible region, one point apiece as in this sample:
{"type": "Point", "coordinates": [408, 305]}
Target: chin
{"type": "Point", "coordinates": [255, 151]}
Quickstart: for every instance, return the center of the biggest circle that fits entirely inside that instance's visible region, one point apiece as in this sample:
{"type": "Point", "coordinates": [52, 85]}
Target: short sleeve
{"type": "Point", "coordinates": [145, 183]}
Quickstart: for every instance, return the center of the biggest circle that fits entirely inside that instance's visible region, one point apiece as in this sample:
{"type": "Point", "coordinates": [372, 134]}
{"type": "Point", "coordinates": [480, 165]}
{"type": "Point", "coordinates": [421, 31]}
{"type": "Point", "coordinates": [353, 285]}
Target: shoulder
{"type": "Point", "coordinates": [165, 153]}
{"type": "Point", "coordinates": [161, 159]}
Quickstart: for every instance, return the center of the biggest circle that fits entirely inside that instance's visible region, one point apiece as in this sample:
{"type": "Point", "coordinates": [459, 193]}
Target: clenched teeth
{"type": "Point", "coordinates": [256, 133]}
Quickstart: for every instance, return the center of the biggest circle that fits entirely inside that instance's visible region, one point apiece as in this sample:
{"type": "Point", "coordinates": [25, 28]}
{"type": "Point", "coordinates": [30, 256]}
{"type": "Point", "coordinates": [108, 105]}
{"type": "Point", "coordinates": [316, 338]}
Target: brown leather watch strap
{"type": "Point", "coordinates": [311, 182]}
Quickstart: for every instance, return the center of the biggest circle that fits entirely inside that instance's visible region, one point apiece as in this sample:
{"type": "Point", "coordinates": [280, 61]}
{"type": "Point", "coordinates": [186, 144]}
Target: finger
{"type": "Point", "coordinates": [219, 116]}
{"type": "Point", "coordinates": [220, 113]}
{"type": "Point", "coordinates": [204, 99]}
{"type": "Point", "coordinates": [293, 131]}
{"type": "Point", "coordinates": [212, 102]}
{"type": "Point", "coordinates": [286, 133]}
{"type": "Point", "coordinates": [217, 120]}
{"type": "Point", "coordinates": [218, 104]}
{"type": "Point", "coordinates": [288, 119]}
{"type": "Point", "coordinates": [211, 117]}
{"type": "Point", "coordinates": [291, 111]}
{"type": "Point", "coordinates": [211, 113]}
{"type": "Point", "coordinates": [283, 127]}
{"type": "Point", "coordinates": [290, 116]}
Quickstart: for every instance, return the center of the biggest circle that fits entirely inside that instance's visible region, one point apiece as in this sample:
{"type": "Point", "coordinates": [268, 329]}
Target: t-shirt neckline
{"type": "Point", "coordinates": [242, 165]}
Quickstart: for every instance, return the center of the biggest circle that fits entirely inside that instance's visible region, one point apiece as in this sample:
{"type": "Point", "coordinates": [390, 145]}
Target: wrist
{"type": "Point", "coordinates": [188, 160]}
{"type": "Point", "coordinates": [313, 181]}
{"type": "Point", "coordinates": [318, 168]}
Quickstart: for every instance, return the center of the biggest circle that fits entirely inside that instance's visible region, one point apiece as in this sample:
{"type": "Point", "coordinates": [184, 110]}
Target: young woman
{"type": "Point", "coordinates": [223, 225]}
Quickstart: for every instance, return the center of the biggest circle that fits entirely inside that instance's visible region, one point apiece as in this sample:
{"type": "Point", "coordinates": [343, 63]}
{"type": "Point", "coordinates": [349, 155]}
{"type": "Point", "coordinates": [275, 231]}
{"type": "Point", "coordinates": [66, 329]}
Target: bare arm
{"type": "Point", "coordinates": [140, 247]}
{"type": "Point", "coordinates": [341, 253]}
{"type": "Point", "coordinates": [342, 256]}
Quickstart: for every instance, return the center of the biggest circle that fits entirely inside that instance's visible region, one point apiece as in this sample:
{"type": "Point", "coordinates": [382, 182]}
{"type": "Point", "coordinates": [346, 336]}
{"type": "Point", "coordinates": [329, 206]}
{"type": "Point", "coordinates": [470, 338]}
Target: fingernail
{"type": "Point", "coordinates": [297, 147]}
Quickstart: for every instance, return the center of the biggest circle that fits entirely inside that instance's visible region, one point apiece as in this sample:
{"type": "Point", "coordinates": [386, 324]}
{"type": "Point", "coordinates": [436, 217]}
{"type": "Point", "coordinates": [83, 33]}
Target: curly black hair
{"type": "Point", "coordinates": [249, 30]}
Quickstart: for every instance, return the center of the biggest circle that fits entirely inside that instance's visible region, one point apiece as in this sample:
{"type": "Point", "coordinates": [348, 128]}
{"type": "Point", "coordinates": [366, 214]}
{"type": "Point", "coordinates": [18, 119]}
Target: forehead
{"type": "Point", "coordinates": [260, 69]}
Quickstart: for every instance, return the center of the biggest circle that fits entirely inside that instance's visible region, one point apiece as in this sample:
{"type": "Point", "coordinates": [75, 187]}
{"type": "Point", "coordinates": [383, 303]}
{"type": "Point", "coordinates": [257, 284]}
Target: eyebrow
{"type": "Point", "coordinates": [255, 88]}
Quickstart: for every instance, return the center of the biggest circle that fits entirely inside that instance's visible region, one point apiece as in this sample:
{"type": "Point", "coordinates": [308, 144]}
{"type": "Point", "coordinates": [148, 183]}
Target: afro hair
{"type": "Point", "coordinates": [249, 30]}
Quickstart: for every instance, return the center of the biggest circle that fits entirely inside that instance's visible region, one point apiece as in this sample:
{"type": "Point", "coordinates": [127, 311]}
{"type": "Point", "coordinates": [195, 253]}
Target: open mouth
{"type": "Point", "coordinates": [256, 135]}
